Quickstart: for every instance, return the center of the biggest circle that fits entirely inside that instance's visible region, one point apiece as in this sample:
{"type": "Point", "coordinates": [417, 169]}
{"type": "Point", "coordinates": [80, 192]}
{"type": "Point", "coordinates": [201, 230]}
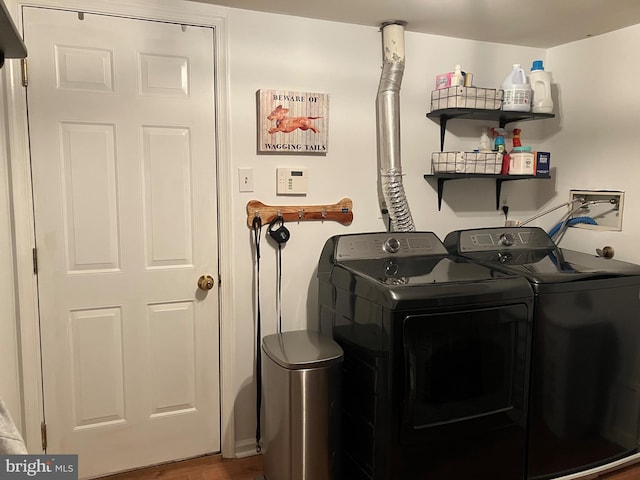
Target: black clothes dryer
{"type": "Point", "coordinates": [436, 359]}
{"type": "Point", "coordinates": [585, 391]}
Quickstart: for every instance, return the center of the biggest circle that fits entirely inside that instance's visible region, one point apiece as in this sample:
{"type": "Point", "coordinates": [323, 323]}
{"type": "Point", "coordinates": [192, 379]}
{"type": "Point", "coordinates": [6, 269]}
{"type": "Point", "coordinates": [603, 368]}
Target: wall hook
{"type": "Point", "coordinates": [341, 212]}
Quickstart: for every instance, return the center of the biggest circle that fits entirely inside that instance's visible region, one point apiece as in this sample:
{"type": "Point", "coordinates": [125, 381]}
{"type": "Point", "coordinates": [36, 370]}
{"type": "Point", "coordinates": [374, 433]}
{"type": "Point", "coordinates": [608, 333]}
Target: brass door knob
{"type": "Point", "coordinates": [205, 282]}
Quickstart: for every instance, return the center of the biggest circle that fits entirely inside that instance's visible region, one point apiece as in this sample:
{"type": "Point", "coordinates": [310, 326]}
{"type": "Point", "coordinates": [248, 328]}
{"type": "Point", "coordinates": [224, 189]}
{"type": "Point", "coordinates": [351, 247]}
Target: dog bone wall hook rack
{"type": "Point", "coordinates": [341, 212]}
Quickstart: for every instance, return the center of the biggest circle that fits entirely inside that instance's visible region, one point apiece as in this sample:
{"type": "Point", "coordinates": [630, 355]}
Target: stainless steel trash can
{"type": "Point", "coordinates": [301, 387]}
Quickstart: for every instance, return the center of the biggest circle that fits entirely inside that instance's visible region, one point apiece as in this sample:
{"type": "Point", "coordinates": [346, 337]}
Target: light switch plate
{"type": "Point", "coordinates": [245, 179]}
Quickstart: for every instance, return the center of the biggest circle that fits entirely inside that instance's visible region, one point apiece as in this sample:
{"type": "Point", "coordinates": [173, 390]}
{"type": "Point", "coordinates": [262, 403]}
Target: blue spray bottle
{"type": "Point", "coordinates": [498, 142]}
{"type": "Point", "coordinates": [499, 146]}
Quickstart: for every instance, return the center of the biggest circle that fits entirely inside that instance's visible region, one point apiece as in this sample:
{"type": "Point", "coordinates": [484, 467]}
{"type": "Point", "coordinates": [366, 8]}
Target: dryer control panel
{"type": "Point", "coordinates": [501, 238]}
{"type": "Point", "coordinates": [388, 245]}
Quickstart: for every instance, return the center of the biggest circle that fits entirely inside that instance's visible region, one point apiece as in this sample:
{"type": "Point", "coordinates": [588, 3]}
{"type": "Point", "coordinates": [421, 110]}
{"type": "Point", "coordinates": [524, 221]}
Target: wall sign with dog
{"type": "Point", "coordinates": [293, 122]}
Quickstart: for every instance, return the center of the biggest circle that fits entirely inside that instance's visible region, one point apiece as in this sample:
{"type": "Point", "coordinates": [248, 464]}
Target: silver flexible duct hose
{"type": "Point", "coordinates": [388, 127]}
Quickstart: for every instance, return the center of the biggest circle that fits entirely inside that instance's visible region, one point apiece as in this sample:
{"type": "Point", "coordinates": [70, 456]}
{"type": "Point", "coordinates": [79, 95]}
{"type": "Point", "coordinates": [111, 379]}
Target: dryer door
{"type": "Point", "coordinates": [464, 369]}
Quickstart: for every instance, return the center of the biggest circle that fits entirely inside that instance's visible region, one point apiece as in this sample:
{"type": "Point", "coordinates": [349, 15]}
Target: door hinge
{"type": "Point", "coordinates": [43, 433]}
{"type": "Point", "coordinates": [34, 253]}
{"type": "Point", "coordinates": [25, 79]}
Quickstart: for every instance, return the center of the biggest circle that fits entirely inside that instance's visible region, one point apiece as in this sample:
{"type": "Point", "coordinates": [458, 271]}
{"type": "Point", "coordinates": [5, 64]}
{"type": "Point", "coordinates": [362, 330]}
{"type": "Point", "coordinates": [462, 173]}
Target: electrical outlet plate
{"type": "Point", "coordinates": [606, 208]}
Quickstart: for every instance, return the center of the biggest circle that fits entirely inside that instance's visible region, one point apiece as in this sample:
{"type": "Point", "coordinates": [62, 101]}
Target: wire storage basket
{"type": "Point", "coordinates": [482, 163]}
{"type": "Point", "coordinates": [467, 97]}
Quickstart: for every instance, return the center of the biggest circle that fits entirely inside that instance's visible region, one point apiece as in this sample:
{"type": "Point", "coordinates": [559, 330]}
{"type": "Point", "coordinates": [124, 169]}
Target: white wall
{"type": "Point", "coordinates": [598, 144]}
{"type": "Point", "coordinates": [287, 53]}
{"type": "Point", "coordinates": [9, 375]}
{"type": "Point", "coordinates": [592, 142]}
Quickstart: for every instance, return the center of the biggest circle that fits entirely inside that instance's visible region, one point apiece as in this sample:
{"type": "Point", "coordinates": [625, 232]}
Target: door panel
{"type": "Point", "coordinates": [89, 172]}
{"type": "Point", "coordinates": [121, 120]}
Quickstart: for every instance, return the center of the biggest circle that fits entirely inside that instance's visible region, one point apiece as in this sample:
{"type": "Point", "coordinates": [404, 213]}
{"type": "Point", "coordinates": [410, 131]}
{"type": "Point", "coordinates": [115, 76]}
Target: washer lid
{"type": "Point", "coordinates": [528, 251]}
{"type": "Point", "coordinates": [416, 271]}
{"type": "Point", "coordinates": [425, 282]}
{"type": "Point", "coordinates": [302, 349]}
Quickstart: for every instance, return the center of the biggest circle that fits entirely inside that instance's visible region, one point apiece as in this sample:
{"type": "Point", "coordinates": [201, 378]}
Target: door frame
{"type": "Point", "coordinates": [197, 14]}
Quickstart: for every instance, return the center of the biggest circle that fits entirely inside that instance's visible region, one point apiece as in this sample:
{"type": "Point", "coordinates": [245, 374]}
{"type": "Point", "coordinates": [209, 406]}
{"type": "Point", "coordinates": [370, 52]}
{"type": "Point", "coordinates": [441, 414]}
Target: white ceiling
{"type": "Point", "coordinates": [534, 23]}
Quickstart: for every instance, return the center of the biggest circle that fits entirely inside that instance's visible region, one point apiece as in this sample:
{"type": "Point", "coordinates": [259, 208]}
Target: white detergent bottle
{"type": "Point", "coordinates": [457, 79]}
{"type": "Point", "coordinates": [541, 88]}
{"type": "Point", "coordinates": [485, 141]}
{"type": "Point", "coordinates": [517, 92]}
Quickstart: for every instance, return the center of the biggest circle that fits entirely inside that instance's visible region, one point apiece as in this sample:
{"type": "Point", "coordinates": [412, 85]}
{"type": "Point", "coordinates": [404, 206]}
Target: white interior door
{"type": "Point", "coordinates": [121, 119]}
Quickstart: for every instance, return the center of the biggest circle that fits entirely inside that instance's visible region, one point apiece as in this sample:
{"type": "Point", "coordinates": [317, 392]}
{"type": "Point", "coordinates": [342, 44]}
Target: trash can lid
{"type": "Point", "coordinates": [302, 349]}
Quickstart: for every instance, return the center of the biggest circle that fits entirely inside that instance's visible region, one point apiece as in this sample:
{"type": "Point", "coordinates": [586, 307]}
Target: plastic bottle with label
{"type": "Point", "coordinates": [485, 141]}
{"type": "Point", "coordinates": [517, 91]}
{"type": "Point", "coordinates": [541, 88]}
{"type": "Point", "coordinates": [457, 79]}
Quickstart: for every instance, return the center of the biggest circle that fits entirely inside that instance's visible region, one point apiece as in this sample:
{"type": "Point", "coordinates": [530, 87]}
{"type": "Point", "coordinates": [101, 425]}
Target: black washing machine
{"type": "Point", "coordinates": [436, 359]}
{"type": "Point", "coordinates": [585, 391]}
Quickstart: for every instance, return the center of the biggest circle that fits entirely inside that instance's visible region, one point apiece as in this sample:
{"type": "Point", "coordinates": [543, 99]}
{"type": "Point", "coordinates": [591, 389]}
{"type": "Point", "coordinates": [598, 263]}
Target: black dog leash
{"type": "Point", "coordinates": [280, 235]}
{"type": "Point", "coordinates": [257, 230]}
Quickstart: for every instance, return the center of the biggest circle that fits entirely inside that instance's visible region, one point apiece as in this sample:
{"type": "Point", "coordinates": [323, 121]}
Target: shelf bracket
{"type": "Point", "coordinates": [443, 131]}
{"type": "Point", "coordinates": [441, 191]}
{"type": "Point", "coordinates": [341, 212]}
{"type": "Point", "coordinates": [441, 182]}
{"type": "Point", "coordinates": [498, 191]}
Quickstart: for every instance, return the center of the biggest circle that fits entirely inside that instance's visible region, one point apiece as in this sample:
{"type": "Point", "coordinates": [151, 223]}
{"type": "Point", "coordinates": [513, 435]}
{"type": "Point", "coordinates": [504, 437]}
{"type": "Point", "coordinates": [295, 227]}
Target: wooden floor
{"type": "Point", "coordinates": [629, 473]}
{"type": "Point", "coordinates": [204, 468]}
{"type": "Point", "coordinates": [250, 468]}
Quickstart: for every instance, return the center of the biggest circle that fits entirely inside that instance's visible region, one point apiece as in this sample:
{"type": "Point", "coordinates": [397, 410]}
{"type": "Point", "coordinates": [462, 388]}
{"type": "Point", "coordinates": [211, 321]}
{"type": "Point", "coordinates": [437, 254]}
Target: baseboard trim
{"type": "Point", "coordinates": [246, 448]}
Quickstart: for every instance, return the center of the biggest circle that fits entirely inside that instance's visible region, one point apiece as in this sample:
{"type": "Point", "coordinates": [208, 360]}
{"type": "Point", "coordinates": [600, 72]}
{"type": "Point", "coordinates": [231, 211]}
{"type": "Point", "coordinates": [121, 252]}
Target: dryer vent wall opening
{"type": "Point", "coordinates": [388, 127]}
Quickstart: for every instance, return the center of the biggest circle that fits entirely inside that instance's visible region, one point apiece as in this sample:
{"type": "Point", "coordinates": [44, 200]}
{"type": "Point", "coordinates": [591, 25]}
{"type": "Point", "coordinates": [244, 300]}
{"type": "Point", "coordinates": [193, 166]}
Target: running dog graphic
{"type": "Point", "coordinates": [286, 124]}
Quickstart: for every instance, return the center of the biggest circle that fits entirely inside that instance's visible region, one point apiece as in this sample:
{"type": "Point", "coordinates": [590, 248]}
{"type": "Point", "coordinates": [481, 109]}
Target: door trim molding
{"type": "Point", "coordinates": [24, 242]}
{"type": "Point", "coordinates": [17, 134]}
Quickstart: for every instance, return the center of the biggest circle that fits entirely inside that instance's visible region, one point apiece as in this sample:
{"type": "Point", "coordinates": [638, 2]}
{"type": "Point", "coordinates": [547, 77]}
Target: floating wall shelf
{"type": "Point", "coordinates": [500, 179]}
{"type": "Point", "coordinates": [500, 116]}
{"type": "Point", "coordinates": [11, 45]}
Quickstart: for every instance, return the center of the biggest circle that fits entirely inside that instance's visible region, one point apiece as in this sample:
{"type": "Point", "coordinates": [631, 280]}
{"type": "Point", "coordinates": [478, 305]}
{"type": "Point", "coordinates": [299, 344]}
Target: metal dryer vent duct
{"type": "Point", "coordinates": [388, 127]}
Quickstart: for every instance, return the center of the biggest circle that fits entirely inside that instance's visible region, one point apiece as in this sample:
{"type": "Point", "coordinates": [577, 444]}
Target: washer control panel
{"type": "Point", "coordinates": [392, 245]}
{"type": "Point", "coordinates": [388, 245]}
{"type": "Point", "coordinates": [489, 239]}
